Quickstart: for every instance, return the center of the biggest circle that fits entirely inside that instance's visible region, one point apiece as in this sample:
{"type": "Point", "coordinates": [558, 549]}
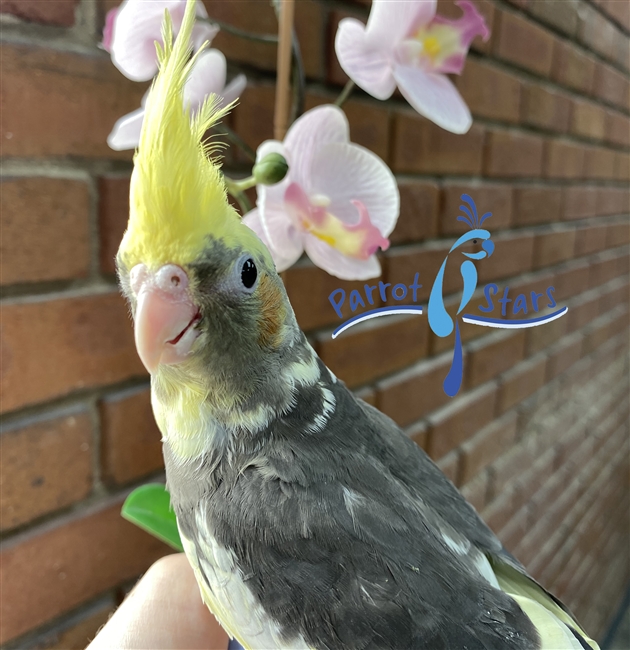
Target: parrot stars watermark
{"type": "Point", "coordinates": [520, 311]}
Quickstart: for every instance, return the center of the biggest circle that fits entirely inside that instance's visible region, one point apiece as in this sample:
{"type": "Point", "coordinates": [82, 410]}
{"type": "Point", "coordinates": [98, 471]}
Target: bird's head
{"type": "Point", "coordinates": [203, 289]}
{"type": "Point", "coordinates": [475, 236]}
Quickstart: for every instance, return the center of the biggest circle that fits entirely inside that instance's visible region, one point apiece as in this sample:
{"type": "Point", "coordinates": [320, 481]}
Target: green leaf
{"type": "Point", "coordinates": [149, 507]}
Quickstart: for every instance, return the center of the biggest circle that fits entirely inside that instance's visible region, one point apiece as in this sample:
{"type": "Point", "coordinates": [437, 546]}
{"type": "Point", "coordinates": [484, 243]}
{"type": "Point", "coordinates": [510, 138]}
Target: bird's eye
{"type": "Point", "coordinates": [474, 241]}
{"type": "Point", "coordinates": [249, 273]}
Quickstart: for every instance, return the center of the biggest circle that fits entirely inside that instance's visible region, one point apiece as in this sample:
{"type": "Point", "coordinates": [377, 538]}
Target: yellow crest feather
{"type": "Point", "coordinates": [177, 195]}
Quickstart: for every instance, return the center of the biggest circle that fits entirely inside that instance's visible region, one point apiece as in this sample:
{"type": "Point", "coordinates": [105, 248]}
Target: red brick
{"type": "Point", "coordinates": [403, 262]}
{"type": "Point", "coordinates": [418, 433]}
{"type": "Point", "coordinates": [617, 234]}
{"type": "Point", "coordinates": [599, 163]}
{"type": "Point", "coordinates": [572, 68]}
{"type": "Point", "coordinates": [453, 424]}
{"type": "Point", "coordinates": [59, 12]}
{"type": "Point", "coordinates": [618, 129]}
{"type": "Point", "coordinates": [588, 120]}
{"type": "Point", "coordinates": [513, 254]}
{"type": "Point", "coordinates": [579, 202]}
{"type": "Point", "coordinates": [553, 246]}
{"type": "Point", "coordinates": [260, 18]}
{"type": "Point", "coordinates": [420, 146]}
{"type": "Point", "coordinates": [493, 198]}
{"type": "Point", "coordinates": [603, 269]}
{"type": "Point", "coordinates": [520, 382]}
{"type": "Point", "coordinates": [490, 92]}
{"type": "Point", "coordinates": [411, 394]}
{"type": "Point", "coordinates": [131, 445]}
{"type": "Point", "coordinates": [621, 51]}
{"type": "Point", "coordinates": [499, 513]}
{"type": "Point", "coordinates": [493, 355]}
{"type": "Point", "coordinates": [596, 32]}
{"type": "Point", "coordinates": [374, 348]}
{"type": "Point", "coordinates": [571, 280]}
{"type": "Point", "coordinates": [539, 338]}
{"type": "Point", "coordinates": [622, 167]}
{"type": "Point", "coordinates": [113, 213]}
{"type": "Point", "coordinates": [510, 466]}
{"type": "Point", "coordinates": [545, 108]}
{"type": "Point", "coordinates": [561, 15]}
{"type": "Point", "coordinates": [513, 154]}
{"type": "Point", "coordinates": [308, 288]}
{"type": "Point", "coordinates": [524, 43]}
{"type": "Point", "coordinates": [77, 633]}
{"type": "Point", "coordinates": [46, 465]}
{"type": "Point", "coordinates": [619, 11]}
{"type": "Point", "coordinates": [583, 310]}
{"type": "Point", "coordinates": [419, 205]}
{"type": "Point", "coordinates": [476, 492]}
{"type": "Point", "coordinates": [590, 239]}
{"type": "Point", "coordinates": [611, 86]}
{"type": "Point", "coordinates": [486, 446]}
{"type": "Point", "coordinates": [534, 205]}
{"type": "Point", "coordinates": [44, 230]}
{"type": "Point", "coordinates": [564, 160]}
{"type": "Point", "coordinates": [53, 569]}
{"type": "Point", "coordinates": [449, 465]}
{"type": "Point", "coordinates": [367, 394]}
{"type": "Point", "coordinates": [52, 347]}
{"type": "Point", "coordinates": [563, 355]}
{"type": "Point", "coordinates": [611, 200]}
{"type": "Point", "coordinates": [83, 96]}
{"type": "Point", "coordinates": [253, 117]}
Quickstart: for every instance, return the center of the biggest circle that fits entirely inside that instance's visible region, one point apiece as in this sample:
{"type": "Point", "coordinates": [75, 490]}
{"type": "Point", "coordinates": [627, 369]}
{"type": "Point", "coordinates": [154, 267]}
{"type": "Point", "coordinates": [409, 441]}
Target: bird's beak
{"type": "Point", "coordinates": [488, 246]}
{"type": "Point", "coordinates": [165, 316]}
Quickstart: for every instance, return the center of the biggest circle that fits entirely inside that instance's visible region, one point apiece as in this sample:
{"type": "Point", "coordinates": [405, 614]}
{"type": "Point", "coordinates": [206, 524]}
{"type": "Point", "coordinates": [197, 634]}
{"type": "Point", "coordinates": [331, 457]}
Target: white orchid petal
{"type": "Point", "coordinates": [278, 234]}
{"type": "Point", "coordinates": [434, 96]}
{"type": "Point", "coordinates": [338, 264]}
{"type": "Point", "coordinates": [391, 20]}
{"type": "Point", "coordinates": [138, 25]}
{"type": "Point", "coordinates": [206, 78]}
{"type": "Point", "coordinates": [234, 89]}
{"type": "Point", "coordinates": [368, 66]}
{"type": "Point", "coordinates": [126, 131]}
{"type": "Point", "coordinates": [347, 172]}
{"type": "Point", "coordinates": [312, 130]}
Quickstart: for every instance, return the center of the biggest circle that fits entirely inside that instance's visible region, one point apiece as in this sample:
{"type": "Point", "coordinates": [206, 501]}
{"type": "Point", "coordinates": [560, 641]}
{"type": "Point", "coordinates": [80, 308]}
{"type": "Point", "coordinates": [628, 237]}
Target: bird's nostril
{"type": "Point", "coordinates": [175, 280]}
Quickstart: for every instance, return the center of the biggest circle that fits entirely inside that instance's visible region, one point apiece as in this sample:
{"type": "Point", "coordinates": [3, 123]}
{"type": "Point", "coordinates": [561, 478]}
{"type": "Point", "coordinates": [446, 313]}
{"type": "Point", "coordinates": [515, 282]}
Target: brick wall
{"type": "Point", "coordinates": [537, 440]}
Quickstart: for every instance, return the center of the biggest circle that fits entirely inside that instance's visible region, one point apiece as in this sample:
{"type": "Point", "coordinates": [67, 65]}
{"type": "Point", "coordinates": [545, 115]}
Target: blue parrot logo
{"type": "Point", "coordinates": [439, 319]}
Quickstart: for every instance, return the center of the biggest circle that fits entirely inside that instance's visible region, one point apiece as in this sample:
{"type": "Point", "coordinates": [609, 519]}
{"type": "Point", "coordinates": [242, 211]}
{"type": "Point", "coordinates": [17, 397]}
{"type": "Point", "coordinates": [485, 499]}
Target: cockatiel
{"type": "Point", "coordinates": [309, 518]}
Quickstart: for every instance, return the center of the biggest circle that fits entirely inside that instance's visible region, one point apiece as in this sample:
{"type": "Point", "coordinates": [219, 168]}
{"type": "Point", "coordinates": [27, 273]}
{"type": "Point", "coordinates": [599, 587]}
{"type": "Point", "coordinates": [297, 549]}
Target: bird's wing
{"type": "Point", "coordinates": [419, 472]}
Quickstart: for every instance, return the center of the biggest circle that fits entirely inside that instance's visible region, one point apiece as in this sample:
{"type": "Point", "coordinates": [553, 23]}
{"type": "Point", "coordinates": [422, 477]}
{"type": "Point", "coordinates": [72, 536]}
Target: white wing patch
{"type": "Point", "coordinates": [229, 598]}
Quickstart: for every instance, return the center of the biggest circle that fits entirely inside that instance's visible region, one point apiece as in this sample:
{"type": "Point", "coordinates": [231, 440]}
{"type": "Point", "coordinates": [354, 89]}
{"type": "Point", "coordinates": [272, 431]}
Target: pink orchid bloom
{"type": "Point", "coordinates": [108, 30]}
{"type": "Point", "coordinates": [338, 202]}
{"type": "Point", "coordinates": [405, 44]}
{"type": "Point", "coordinates": [131, 32]}
{"type": "Point", "coordinates": [206, 78]}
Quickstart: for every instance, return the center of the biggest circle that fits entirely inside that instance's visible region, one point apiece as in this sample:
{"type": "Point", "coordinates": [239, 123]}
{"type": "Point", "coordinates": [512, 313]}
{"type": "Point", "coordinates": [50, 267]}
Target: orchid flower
{"type": "Point", "coordinates": [206, 78]}
{"type": "Point", "coordinates": [405, 44]}
{"type": "Point", "coordinates": [132, 29]}
{"type": "Point", "coordinates": [338, 202]}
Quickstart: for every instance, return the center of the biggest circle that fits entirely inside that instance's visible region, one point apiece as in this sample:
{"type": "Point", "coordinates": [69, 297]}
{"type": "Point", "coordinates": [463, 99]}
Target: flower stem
{"type": "Point", "coordinates": [345, 93]}
{"type": "Point", "coordinates": [236, 189]}
{"type": "Point", "coordinates": [241, 185]}
{"type": "Point", "coordinates": [299, 80]}
{"type": "Point", "coordinates": [241, 33]}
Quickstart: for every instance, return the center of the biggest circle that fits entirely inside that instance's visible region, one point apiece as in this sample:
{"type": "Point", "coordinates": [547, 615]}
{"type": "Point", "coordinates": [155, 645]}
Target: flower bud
{"type": "Point", "coordinates": [271, 169]}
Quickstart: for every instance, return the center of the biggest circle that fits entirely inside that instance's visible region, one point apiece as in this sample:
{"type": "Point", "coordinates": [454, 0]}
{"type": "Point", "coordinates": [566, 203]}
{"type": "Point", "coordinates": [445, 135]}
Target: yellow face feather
{"type": "Point", "coordinates": [178, 197]}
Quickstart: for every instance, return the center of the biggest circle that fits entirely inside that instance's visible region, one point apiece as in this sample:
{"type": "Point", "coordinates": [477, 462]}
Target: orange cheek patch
{"type": "Point", "coordinates": [272, 313]}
